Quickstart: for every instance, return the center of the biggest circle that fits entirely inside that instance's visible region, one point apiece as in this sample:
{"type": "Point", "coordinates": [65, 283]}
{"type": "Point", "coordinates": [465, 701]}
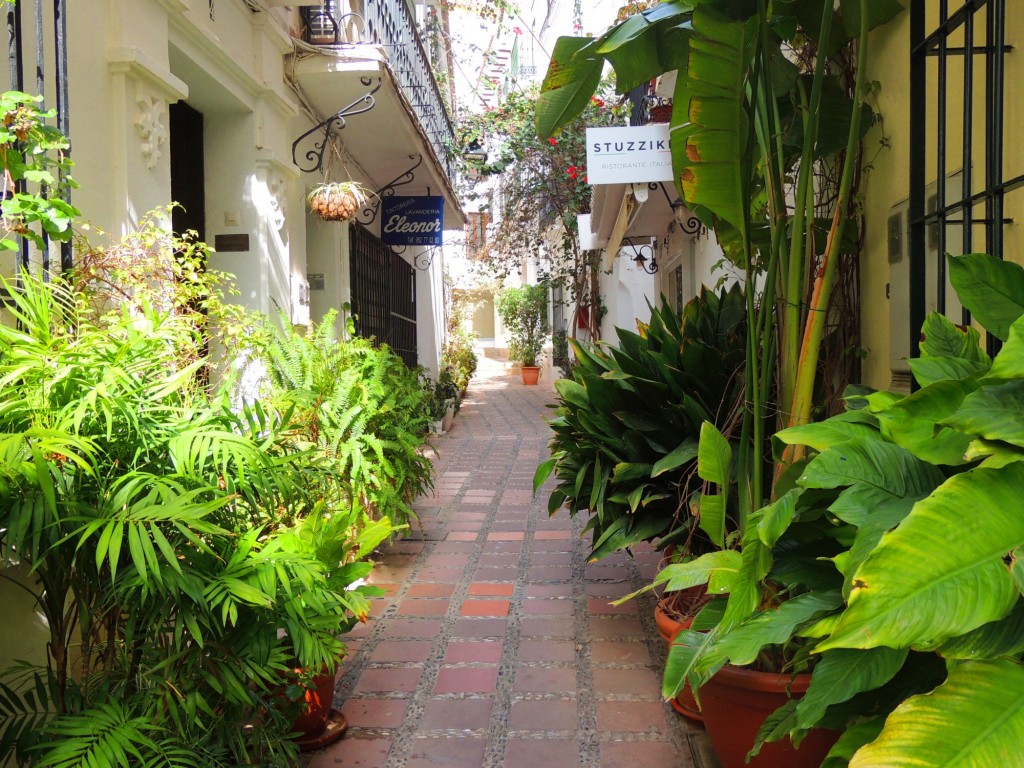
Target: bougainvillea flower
{"type": "Point", "coordinates": [552, 141]}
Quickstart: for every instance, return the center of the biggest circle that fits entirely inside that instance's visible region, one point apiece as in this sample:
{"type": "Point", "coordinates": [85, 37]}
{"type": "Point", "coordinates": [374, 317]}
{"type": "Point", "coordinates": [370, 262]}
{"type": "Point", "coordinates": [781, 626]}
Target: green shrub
{"type": "Point", "coordinates": [160, 525]}
{"type": "Point", "coordinates": [628, 419]}
{"type": "Point", "coordinates": [524, 312]}
{"type": "Point", "coordinates": [360, 405]}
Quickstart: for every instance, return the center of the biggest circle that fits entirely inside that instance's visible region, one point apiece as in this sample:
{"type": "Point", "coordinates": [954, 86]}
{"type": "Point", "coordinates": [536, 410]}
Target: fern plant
{"type": "Point", "coordinates": [164, 534]}
{"type": "Point", "coordinates": [357, 404]}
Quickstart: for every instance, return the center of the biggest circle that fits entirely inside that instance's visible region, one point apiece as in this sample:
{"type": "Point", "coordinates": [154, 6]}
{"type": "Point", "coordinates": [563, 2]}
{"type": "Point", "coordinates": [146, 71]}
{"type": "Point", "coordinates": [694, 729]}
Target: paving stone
{"type": "Point", "coordinates": [401, 650]}
{"type": "Point", "coordinates": [473, 627]}
{"type": "Point", "coordinates": [485, 608]}
{"type": "Point", "coordinates": [353, 752]}
{"type": "Point", "coordinates": [466, 680]}
{"type": "Point", "coordinates": [421, 607]}
{"type": "Point", "coordinates": [431, 590]}
{"type": "Point", "coordinates": [375, 713]}
{"type": "Point", "coordinates": [534, 679]}
{"type": "Point", "coordinates": [632, 754]}
{"type": "Point", "coordinates": [630, 716]}
{"type": "Point", "coordinates": [532, 753]}
{"type": "Point", "coordinates": [457, 714]}
{"type": "Point", "coordinates": [534, 715]}
{"type": "Point", "coordinates": [626, 681]}
{"type": "Point", "coordinates": [495, 590]}
{"type": "Point", "coordinates": [611, 651]}
{"type": "Point", "coordinates": [486, 652]}
{"type": "Point", "coordinates": [402, 679]}
{"type": "Point", "coordinates": [547, 650]}
{"type": "Point", "coordinates": [447, 753]}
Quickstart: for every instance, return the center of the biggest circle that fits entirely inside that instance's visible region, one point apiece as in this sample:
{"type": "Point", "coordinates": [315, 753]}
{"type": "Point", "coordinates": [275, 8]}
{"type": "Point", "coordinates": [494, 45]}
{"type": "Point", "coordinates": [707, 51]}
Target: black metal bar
{"type": "Point", "coordinates": [950, 24]}
{"type": "Point", "coordinates": [14, 45]}
{"type": "Point", "coordinates": [940, 184]}
{"type": "Point", "coordinates": [60, 33]}
{"type": "Point", "coordinates": [994, 149]}
{"type": "Point", "coordinates": [918, 128]}
{"type": "Point", "coordinates": [337, 121]}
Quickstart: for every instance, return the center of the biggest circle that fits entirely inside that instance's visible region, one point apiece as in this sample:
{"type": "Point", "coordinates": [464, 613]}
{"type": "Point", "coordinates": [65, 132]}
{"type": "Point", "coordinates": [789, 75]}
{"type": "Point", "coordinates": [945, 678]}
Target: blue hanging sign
{"type": "Point", "coordinates": [412, 220]}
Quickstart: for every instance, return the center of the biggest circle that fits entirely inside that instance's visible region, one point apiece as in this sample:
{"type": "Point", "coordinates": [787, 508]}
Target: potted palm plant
{"type": "Point", "coordinates": [524, 312]}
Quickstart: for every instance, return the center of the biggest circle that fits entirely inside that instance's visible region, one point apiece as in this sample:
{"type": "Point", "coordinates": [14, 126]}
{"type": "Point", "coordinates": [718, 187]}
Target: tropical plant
{"type": "Point", "coordinates": [628, 421]}
{"type": "Point", "coordinates": [358, 405]}
{"type": "Point", "coordinates": [524, 312]}
{"type": "Point", "coordinates": [890, 563]}
{"type": "Point", "coordinates": [155, 521]}
{"type": "Point", "coordinates": [542, 189]}
{"type": "Point", "coordinates": [769, 96]}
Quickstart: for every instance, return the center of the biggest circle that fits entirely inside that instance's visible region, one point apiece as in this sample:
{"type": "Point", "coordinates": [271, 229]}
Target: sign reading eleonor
{"type": "Point", "coordinates": [629, 155]}
{"type": "Point", "coordinates": [412, 220]}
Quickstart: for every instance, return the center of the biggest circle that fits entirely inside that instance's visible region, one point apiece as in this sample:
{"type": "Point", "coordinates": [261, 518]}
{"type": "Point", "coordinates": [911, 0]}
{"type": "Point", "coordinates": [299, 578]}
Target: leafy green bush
{"type": "Point", "coordinates": [360, 405]}
{"type": "Point", "coordinates": [160, 525]}
{"type": "Point", "coordinates": [524, 312]}
{"type": "Point", "coordinates": [458, 355]}
{"type": "Point", "coordinates": [891, 564]}
{"type": "Point", "coordinates": [629, 417]}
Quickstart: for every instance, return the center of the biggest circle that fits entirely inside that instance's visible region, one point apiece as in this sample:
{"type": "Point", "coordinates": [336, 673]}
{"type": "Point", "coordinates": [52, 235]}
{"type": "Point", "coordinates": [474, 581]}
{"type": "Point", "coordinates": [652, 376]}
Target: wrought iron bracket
{"type": "Point", "coordinates": [369, 214]}
{"type": "Point", "coordinates": [336, 122]}
{"type": "Point", "coordinates": [648, 264]}
{"type": "Point", "coordinates": [688, 226]}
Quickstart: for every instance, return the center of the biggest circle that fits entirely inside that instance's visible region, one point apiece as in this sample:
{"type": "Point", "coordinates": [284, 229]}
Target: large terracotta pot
{"type": "Point", "coordinates": [668, 628]}
{"type": "Point", "coordinates": [531, 374]}
{"type": "Point", "coordinates": [736, 702]}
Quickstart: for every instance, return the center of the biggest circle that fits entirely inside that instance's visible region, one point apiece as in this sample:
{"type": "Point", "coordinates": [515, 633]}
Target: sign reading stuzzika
{"type": "Point", "coordinates": [629, 155]}
{"type": "Point", "coordinates": [412, 220]}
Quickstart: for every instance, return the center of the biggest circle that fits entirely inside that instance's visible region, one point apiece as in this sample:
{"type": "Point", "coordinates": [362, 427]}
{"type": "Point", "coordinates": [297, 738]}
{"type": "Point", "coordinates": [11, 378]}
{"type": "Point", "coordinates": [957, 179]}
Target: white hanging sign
{"type": "Point", "coordinates": [629, 155]}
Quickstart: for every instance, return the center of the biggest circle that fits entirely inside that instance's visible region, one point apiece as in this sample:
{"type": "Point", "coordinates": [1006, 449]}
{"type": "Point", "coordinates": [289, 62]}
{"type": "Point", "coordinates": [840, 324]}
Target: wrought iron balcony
{"type": "Point", "coordinates": [391, 25]}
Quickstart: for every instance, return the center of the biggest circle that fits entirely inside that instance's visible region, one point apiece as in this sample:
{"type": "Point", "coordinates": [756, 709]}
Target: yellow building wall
{"type": "Point", "coordinates": [887, 184]}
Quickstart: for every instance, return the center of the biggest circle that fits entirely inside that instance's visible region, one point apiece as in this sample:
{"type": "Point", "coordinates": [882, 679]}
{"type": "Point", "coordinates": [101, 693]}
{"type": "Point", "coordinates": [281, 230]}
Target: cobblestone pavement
{"type": "Point", "coordinates": [496, 644]}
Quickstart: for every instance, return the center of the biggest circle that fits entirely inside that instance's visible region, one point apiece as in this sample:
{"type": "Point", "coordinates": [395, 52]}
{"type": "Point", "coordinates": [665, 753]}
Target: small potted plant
{"type": "Point", "coordinates": [338, 200]}
{"type": "Point", "coordinates": [523, 310]}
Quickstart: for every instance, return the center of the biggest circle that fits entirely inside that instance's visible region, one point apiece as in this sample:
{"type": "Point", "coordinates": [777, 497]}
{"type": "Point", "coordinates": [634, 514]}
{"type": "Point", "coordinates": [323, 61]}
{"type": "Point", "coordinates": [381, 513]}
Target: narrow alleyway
{"type": "Point", "coordinates": [496, 645]}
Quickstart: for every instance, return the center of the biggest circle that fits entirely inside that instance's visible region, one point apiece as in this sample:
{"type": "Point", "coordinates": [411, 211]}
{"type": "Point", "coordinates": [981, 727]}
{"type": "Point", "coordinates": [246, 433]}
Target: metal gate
{"type": "Point", "coordinates": [37, 42]}
{"type": "Point", "coordinates": [383, 294]}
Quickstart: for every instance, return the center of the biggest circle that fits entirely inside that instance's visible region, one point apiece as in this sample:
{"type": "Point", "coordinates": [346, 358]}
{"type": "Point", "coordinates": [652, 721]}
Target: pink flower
{"type": "Point", "coordinates": [597, 101]}
{"type": "Point", "coordinates": [552, 141]}
{"type": "Point", "coordinates": [517, 31]}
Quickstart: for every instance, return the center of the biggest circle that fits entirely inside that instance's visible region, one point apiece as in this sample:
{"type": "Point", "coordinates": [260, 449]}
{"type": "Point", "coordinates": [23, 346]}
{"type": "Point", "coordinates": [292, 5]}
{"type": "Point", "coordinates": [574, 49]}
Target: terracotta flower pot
{"type": "Point", "coordinates": [668, 627]}
{"type": "Point", "coordinates": [531, 374]}
{"type": "Point", "coordinates": [317, 705]}
{"type": "Point", "coordinates": [735, 703]}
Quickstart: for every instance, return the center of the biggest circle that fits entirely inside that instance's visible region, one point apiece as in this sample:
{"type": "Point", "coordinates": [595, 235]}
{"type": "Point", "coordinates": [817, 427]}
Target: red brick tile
{"type": "Point", "coordinates": [631, 716]}
{"type": "Point", "coordinates": [456, 714]}
{"type": "Point", "coordinates": [530, 715]}
{"type": "Point", "coordinates": [421, 607]}
{"type": "Point", "coordinates": [643, 682]}
{"type": "Point", "coordinates": [462, 536]}
{"type": "Point", "coordinates": [353, 753]}
{"type": "Point", "coordinates": [447, 753]}
{"type": "Point", "coordinates": [613, 626]}
{"type": "Point", "coordinates": [544, 680]}
{"type": "Point", "coordinates": [487, 652]}
{"type": "Point", "coordinates": [403, 680]}
{"type": "Point", "coordinates": [547, 650]}
{"type": "Point", "coordinates": [431, 590]}
{"type": "Point", "coordinates": [597, 606]}
{"type": "Point", "coordinates": [530, 753]}
{"type": "Point", "coordinates": [401, 650]}
{"type": "Point", "coordinates": [414, 627]}
{"type": "Point", "coordinates": [556, 626]}
{"type": "Point", "coordinates": [500, 559]}
{"type": "Point", "coordinates": [485, 608]}
{"type": "Point", "coordinates": [447, 560]}
{"type": "Point", "coordinates": [446, 575]}
{"type": "Point", "coordinates": [472, 627]}
{"type": "Point", "coordinates": [621, 754]}
{"type": "Point", "coordinates": [466, 680]}
{"type": "Point", "coordinates": [549, 573]}
{"type": "Point", "coordinates": [493, 590]}
{"type": "Point", "coordinates": [609, 651]}
{"type": "Point", "coordinates": [551, 558]}
{"type": "Point", "coordinates": [543, 606]}
{"type": "Point", "coordinates": [552, 535]}
{"type": "Point", "coordinates": [375, 713]}
{"type": "Point", "coordinates": [506, 536]}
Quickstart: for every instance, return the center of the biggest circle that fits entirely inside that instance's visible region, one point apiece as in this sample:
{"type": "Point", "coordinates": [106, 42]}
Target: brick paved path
{"type": "Point", "coordinates": [496, 645]}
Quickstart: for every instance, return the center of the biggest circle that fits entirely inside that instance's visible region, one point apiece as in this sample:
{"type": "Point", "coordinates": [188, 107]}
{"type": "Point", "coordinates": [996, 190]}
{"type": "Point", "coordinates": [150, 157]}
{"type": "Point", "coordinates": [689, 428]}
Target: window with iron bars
{"type": "Point", "coordinates": [958, 101]}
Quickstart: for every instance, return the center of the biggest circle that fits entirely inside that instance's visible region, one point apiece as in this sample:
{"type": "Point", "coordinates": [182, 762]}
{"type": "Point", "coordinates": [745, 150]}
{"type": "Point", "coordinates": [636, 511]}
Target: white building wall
{"type": "Point", "coordinates": [625, 291]}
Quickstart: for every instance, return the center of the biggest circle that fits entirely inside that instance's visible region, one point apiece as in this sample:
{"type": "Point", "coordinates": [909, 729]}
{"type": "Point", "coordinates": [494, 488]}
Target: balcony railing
{"type": "Point", "coordinates": [391, 25]}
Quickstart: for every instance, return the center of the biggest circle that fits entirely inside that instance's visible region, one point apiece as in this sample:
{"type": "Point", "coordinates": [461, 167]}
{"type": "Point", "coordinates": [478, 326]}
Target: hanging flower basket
{"type": "Point", "coordinates": [338, 200]}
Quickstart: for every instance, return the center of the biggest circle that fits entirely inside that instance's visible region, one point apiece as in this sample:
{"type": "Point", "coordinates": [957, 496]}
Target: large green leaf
{"type": "Point", "coordinates": [852, 739]}
{"type": "Point", "coordinates": [1009, 363]}
{"type": "Point", "coordinates": [686, 452]}
{"type": "Point", "coordinates": [825, 434]}
{"type": "Point", "coordinates": [842, 674]}
{"type": "Point", "coordinates": [871, 463]}
{"type": "Point", "coordinates": [712, 518]}
{"type": "Point", "coordinates": [714, 174]}
{"type": "Point", "coordinates": [992, 289]}
{"type": "Point", "coordinates": [879, 12]}
{"type": "Point", "coordinates": [943, 339]}
{"type": "Point", "coordinates": [714, 456]}
{"type": "Point", "coordinates": [941, 572]}
{"type": "Point", "coordinates": [742, 644]}
{"type": "Point", "coordinates": [973, 720]}
{"type": "Point", "coordinates": [915, 423]}
{"type": "Point", "coordinates": [569, 84]}
{"type": "Point", "coordinates": [994, 412]}
{"type": "Point", "coordinates": [930, 370]}
{"type": "Point", "coordinates": [1003, 638]}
